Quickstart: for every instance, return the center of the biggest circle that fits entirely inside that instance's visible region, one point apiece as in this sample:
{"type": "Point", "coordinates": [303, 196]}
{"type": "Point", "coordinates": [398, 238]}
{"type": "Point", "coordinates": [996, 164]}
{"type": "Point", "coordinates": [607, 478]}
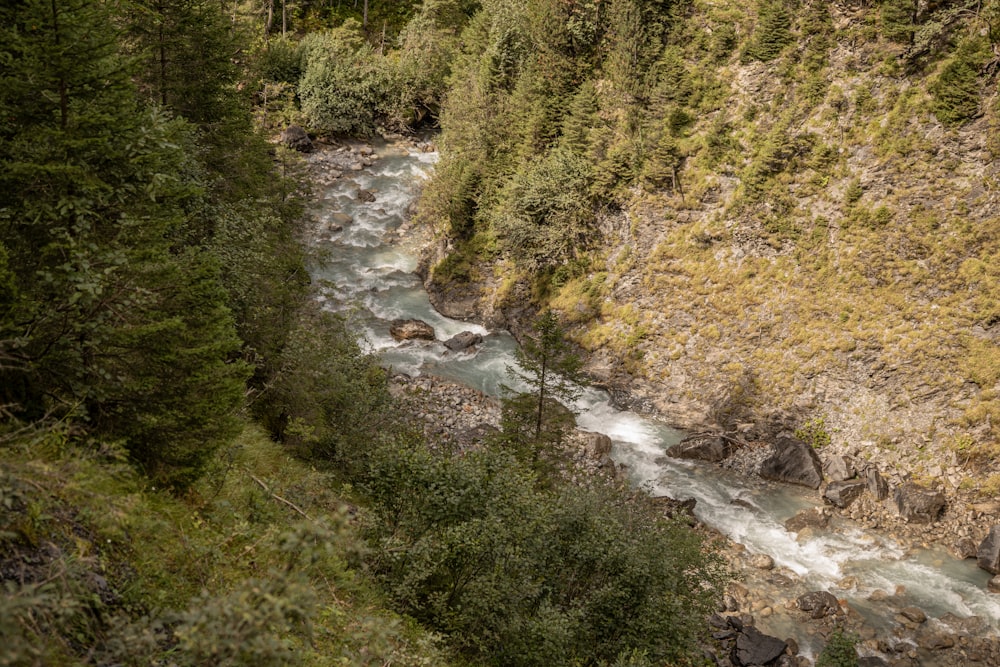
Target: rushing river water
{"type": "Point", "coordinates": [368, 274]}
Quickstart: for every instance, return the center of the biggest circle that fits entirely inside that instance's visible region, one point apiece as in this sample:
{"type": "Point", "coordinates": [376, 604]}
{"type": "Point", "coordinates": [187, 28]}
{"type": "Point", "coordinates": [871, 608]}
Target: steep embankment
{"type": "Point", "coordinates": [792, 216]}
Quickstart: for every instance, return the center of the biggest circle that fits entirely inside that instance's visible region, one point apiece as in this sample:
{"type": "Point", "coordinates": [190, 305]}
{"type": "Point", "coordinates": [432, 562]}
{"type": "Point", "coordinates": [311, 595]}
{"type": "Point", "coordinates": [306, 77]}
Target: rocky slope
{"type": "Point", "coordinates": [829, 264]}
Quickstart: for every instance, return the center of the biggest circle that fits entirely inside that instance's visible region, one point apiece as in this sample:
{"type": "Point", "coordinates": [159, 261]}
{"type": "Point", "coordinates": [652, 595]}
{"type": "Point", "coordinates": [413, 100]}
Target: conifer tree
{"type": "Point", "coordinates": [114, 321]}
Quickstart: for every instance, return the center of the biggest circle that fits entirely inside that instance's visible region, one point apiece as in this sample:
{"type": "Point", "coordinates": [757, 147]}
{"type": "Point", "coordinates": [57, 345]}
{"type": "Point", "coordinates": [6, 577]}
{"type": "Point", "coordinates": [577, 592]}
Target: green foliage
{"type": "Point", "coordinates": [517, 576]}
{"type": "Point", "coordinates": [544, 215]}
{"type": "Point", "coordinates": [956, 89]}
{"type": "Point", "coordinates": [773, 31]}
{"type": "Point", "coordinates": [327, 398]}
{"type": "Point", "coordinates": [839, 650]}
{"type": "Point", "coordinates": [898, 19]}
{"type": "Point", "coordinates": [342, 83]}
{"type": "Point", "coordinates": [534, 421]}
{"type": "Point", "coordinates": [814, 433]}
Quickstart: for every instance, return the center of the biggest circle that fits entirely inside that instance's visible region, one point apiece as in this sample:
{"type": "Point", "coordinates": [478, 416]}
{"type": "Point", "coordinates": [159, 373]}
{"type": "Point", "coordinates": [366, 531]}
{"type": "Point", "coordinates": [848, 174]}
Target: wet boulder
{"type": "Point", "coordinates": [463, 341]}
{"type": "Point", "coordinates": [411, 330]}
{"type": "Point", "coordinates": [793, 461]}
{"type": "Point", "coordinates": [917, 504]}
{"type": "Point", "coordinates": [753, 647]}
{"type": "Point", "coordinates": [988, 554]}
{"type": "Point", "coordinates": [810, 518]}
{"type": "Point", "coordinates": [366, 196]}
{"type": "Point", "coordinates": [818, 604]}
{"type": "Point", "coordinates": [842, 494]}
{"type": "Point", "coordinates": [297, 139]}
{"type": "Point", "coordinates": [710, 448]}
{"type": "Point", "coordinates": [598, 445]}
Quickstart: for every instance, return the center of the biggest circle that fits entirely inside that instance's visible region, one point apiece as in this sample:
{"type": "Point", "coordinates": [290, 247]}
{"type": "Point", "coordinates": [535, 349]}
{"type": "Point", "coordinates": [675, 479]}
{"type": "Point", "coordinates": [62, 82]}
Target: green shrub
{"type": "Point", "coordinates": [773, 32]}
{"type": "Point", "coordinates": [956, 90]}
{"type": "Point", "coordinates": [839, 650]}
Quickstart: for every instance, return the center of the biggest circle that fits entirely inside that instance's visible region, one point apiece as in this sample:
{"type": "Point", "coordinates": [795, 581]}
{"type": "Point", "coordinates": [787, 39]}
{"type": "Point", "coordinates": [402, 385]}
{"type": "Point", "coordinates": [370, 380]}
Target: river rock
{"type": "Point", "coordinates": [842, 494]}
{"type": "Point", "coordinates": [762, 562]}
{"type": "Point", "coordinates": [934, 639]}
{"type": "Point", "coordinates": [915, 614]}
{"type": "Point", "coordinates": [872, 661]}
{"type": "Point", "coordinates": [598, 445]}
{"type": "Point", "coordinates": [993, 585]}
{"type": "Point", "coordinates": [811, 518]}
{"type": "Point", "coordinates": [710, 448]}
{"type": "Point", "coordinates": [753, 647]}
{"type": "Point", "coordinates": [365, 195]}
{"type": "Point", "coordinates": [917, 504]}
{"type": "Point", "coordinates": [965, 547]}
{"type": "Point", "coordinates": [839, 468]}
{"type": "Point", "coordinates": [877, 485]}
{"type": "Point", "coordinates": [988, 554]}
{"type": "Point", "coordinates": [818, 604]}
{"type": "Point", "coordinates": [411, 330]}
{"type": "Point", "coordinates": [793, 461]}
{"type": "Point", "coordinates": [463, 341]}
{"type": "Point", "coordinates": [297, 139]}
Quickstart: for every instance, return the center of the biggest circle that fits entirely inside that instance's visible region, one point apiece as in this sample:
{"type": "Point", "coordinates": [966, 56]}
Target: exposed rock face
{"type": "Point", "coordinates": [839, 468]}
{"type": "Point", "coordinates": [411, 330]}
{"type": "Point", "coordinates": [877, 485]}
{"type": "Point", "coordinates": [988, 554]}
{"type": "Point", "coordinates": [753, 647]}
{"type": "Point", "coordinates": [297, 139]}
{"type": "Point", "coordinates": [919, 505]}
{"type": "Point", "coordinates": [702, 448]}
{"type": "Point", "coordinates": [818, 604]}
{"type": "Point", "coordinates": [463, 341]}
{"type": "Point", "coordinates": [842, 494]}
{"type": "Point", "coordinates": [795, 462]}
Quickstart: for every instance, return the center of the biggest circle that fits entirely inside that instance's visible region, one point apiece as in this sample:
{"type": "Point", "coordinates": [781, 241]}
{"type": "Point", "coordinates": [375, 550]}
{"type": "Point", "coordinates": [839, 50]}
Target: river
{"type": "Point", "coordinates": [367, 274]}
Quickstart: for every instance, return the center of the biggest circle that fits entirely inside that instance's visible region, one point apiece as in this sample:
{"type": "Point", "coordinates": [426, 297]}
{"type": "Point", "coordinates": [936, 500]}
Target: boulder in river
{"type": "Point", "coordinates": [297, 139]}
{"type": "Point", "coordinates": [818, 604]}
{"type": "Point", "coordinates": [753, 647]}
{"type": "Point", "coordinates": [812, 518]}
{"type": "Point", "coordinates": [917, 504]}
{"type": "Point", "coordinates": [842, 494]}
{"type": "Point", "coordinates": [365, 195]}
{"type": "Point", "coordinates": [463, 341]}
{"type": "Point", "coordinates": [598, 445]}
{"type": "Point", "coordinates": [710, 448]}
{"type": "Point", "coordinates": [988, 554]}
{"type": "Point", "coordinates": [793, 461]}
{"type": "Point", "coordinates": [411, 330]}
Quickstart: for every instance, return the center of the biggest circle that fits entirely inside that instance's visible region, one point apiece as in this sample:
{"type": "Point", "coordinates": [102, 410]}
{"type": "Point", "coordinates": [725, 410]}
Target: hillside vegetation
{"type": "Point", "coordinates": [769, 210]}
{"type": "Point", "coordinates": [198, 466]}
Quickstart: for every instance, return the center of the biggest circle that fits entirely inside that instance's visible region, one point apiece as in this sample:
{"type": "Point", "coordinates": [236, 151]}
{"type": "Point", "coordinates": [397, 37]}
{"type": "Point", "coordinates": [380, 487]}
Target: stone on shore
{"type": "Point", "coordinates": [842, 494]}
{"type": "Point", "coordinates": [988, 554]}
{"type": "Point", "coordinates": [297, 139]}
{"type": "Point", "coordinates": [713, 449]}
{"type": "Point", "coordinates": [753, 647]}
{"type": "Point", "coordinates": [917, 504]}
{"type": "Point", "coordinates": [793, 461]}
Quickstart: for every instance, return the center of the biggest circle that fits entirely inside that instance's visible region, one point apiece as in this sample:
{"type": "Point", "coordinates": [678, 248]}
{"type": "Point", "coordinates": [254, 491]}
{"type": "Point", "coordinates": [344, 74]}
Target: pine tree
{"type": "Point", "coordinates": [114, 321]}
{"type": "Point", "coordinates": [552, 371]}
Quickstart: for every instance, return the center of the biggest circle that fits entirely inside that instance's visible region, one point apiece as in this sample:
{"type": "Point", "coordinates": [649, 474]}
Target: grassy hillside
{"type": "Point", "coordinates": [784, 205]}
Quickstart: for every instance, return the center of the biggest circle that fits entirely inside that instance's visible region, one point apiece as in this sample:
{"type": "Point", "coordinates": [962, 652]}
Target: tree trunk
{"type": "Point", "coordinates": [364, 16]}
{"type": "Point", "coordinates": [63, 90]}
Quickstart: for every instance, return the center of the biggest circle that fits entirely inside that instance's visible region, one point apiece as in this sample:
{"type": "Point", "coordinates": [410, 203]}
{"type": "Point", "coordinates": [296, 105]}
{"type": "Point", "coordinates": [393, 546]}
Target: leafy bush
{"type": "Point", "coordinates": [839, 650]}
{"type": "Point", "coordinates": [517, 576]}
{"type": "Point", "coordinates": [544, 215]}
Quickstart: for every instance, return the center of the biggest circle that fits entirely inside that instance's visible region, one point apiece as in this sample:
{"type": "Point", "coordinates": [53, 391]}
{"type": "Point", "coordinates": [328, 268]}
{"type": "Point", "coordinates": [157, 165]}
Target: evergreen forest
{"type": "Point", "coordinates": [767, 212]}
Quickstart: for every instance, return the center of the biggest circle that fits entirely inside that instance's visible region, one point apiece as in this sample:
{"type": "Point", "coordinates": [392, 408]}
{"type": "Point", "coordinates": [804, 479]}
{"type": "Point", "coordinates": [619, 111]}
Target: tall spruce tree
{"type": "Point", "coordinates": [113, 321]}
